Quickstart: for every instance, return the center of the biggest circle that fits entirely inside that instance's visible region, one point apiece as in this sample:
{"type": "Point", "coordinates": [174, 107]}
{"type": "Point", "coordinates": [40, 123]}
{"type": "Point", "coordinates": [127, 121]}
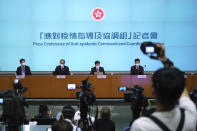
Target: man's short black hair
{"type": "Point", "coordinates": [62, 126]}
{"type": "Point", "coordinates": [97, 62]}
{"type": "Point", "coordinates": [137, 59]}
{"type": "Point", "coordinates": [62, 60]}
{"type": "Point", "coordinates": [22, 60]}
{"type": "Point", "coordinates": [168, 84]}
{"type": "Point", "coordinates": [68, 112]}
{"type": "Point", "coordinates": [43, 109]}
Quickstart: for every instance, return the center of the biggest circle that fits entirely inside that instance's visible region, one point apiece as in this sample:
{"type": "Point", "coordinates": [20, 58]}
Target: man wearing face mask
{"type": "Point", "coordinates": [23, 69]}
{"type": "Point", "coordinates": [137, 69]}
{"type": "Point", "coordinates": [97, 68]}
{"type": "Point", "coordinates": [61, 69]}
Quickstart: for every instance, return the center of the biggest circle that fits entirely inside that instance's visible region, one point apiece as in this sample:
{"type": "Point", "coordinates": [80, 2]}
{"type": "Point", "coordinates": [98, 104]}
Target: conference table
{"type": "Point", "coordinates": [105, 86]}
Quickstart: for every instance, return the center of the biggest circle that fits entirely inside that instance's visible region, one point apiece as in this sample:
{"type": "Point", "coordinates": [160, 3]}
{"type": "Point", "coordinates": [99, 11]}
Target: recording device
{"type": "Point", "coordinates": [150, 49]}
{"type": "Point", "coordinates": [13, 106]}
{"type": "Point", "coordinates": [138, 101]}
{"type": "Point", "coordinates": [18, 88]}
{"type": "Point", "coordinates": [87, 101]}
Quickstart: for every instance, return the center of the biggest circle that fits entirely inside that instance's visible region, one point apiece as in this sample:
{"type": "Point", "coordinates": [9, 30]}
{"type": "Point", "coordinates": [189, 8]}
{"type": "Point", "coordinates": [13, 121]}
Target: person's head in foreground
{"type": "Point", "coordinates": [168, 85]}
{"type": "Point", "coordinates": [68, 112]}
{"type": "Point", "coordinates": [43, 109]}
{"type": "Point", "coordinates": [62, 125]}
{"type": "Point", "coordinates": [105, 113]}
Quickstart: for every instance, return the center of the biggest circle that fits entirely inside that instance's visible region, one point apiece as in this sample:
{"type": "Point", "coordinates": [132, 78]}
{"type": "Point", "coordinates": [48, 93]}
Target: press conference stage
{"type": "Point", "coordinates": [42, 86]}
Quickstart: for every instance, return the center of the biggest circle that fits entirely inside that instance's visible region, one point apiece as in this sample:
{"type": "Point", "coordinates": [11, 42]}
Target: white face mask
{"type": "Point", "coordinates": [97, 67]}
{"type": "Point", "coordinates": [23, 64]}
{"type": "Point", "coordinates": [137, 64]}
{"type": "Point", "coordinates": [62, 65]}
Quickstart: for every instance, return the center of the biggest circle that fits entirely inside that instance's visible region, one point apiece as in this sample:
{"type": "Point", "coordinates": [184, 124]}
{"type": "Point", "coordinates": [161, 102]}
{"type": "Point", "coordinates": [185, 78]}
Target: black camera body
{"type": "Point", "coordinates": [150, 48]}
{"type": "Point", "coordinates": [135, 95]}
{"type": "Point", "coordinates": [13, 106]}
{"type": "Point", "coordinates": [138, 101]}
{"type": "Point", "coordinates": [87, 99]}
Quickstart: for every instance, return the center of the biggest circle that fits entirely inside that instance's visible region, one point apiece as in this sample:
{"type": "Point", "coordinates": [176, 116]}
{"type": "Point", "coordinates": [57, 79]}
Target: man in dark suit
{"type": "Point", "coordinates": [61, 69]}
{"type": "Point", "coordinates": [97, 68]}
{"type": "Point", "coordinates": [137, 69]}
{"type": "Point", "coordinates": [23, 69]}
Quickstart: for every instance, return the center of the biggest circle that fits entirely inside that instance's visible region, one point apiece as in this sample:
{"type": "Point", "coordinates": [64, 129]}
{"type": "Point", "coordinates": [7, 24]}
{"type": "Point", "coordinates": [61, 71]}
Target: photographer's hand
{"type": "Point", "coordinates": [162, 57]}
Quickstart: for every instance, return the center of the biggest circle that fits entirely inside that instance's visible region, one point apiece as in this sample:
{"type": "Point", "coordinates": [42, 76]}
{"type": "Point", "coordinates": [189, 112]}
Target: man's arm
{"type": "Point", "coordinates": [18, 72]}
{"type": "Point", "coordinates": [56, 71]}
{"type": "Point", "coordinates": [92, 71]}
{"type": "Point", "coordinates": [132, 71]}
{"type": "Point", "coordinates": [142, 71]}
{"type": "Point", "coordinates": [162, 57]}
{"type": "Point", "coordinates": [184, 102]}
{"type": "Point", "coordinates": [29, 71]}
{"type": "Point", "coordinates": [68, 72]}
{"type": "Point", "coordinates": [103, 71]}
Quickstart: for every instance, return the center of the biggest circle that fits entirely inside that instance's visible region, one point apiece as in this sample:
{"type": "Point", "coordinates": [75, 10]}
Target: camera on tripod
{"type": "Point", "coordinates": [135, 95]}
{"type": "Point", "coordinates": [138, 101]}
{"type": "Point", "coordinates": [87, 100]}
{"type": "Point", "coordinates": [85, 94]}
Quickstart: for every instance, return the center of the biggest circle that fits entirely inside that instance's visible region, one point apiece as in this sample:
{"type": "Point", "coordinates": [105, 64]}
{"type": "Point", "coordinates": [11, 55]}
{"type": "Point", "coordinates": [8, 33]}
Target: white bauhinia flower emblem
{"type": "Point", "coordinates": [98, 13]}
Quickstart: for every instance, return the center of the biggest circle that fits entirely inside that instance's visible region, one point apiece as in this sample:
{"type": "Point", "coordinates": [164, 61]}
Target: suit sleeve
{"type": "Point", "coordinates": [131, 71]}
{"type": "Point", "coordinates": [142, 71]}
{"type": "Point", "coordinates": [18, 71]}
{"type": "Point", "coordinates": [103, 71]}
{"type": "Point", "coordinates": [29, 71]}
{"type": "Point", "coordinates": [55, 72]}
{"type": "Point", "coordinates": [92, 71]}
{"type": "Point", "coordinates": [68, 71]}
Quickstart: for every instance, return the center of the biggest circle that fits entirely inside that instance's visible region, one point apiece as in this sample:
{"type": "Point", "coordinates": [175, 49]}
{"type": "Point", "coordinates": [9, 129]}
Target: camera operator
{"type": "Point", "coordinates": [68, 115]}
{"type": "Point", "coordinates": [13, 107]}
{"type": "Point", "coordinates": [62, 126]}
{"type": "Point", "coordinates": [174, 108]}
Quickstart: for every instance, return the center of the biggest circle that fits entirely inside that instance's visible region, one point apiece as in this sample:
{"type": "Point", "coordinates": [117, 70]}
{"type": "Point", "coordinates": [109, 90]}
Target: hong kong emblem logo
{"type": "Point", "coordinates": [98, 14]}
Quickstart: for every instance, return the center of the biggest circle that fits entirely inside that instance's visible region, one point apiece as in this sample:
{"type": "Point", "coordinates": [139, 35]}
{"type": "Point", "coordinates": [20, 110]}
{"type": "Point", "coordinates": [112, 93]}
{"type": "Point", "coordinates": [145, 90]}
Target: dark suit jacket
{"type": "Point", "coordinates": [135, 71]}
{"type": "Point", "coordinates": [59, 71]}
{"type": "Point", "coordinates": [27, 70]}
{"type": "Point", "coordinates": [101, 69]}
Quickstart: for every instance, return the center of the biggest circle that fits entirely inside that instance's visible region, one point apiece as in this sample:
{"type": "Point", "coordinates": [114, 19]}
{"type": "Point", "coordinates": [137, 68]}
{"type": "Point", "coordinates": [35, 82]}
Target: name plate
{"type": "Point", "coordinates": [60, 76]}
{"type": "Point", "coordinates": [101, 76]}
{"type": "Point", "coordinates": [20, 76]}
{"type": "Point", "coordinates": [141, 76]}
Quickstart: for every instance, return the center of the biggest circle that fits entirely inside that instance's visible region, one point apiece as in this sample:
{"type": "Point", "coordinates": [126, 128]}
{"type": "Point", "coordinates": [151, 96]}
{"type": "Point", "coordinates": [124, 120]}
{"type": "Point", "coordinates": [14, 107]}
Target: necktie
{"type": "Point", "coordinates": [23, 71]}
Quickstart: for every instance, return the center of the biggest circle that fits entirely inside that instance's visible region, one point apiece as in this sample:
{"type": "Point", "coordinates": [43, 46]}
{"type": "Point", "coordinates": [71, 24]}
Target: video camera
{"type": "Point", "coordinates": [138, 101]}
{"type": "Point", "coordinates": [150, 49]}
{"type": "Point", "coordinates": [136, 94]}
{"type": "Point", "coordinates": [13, 106]}
{"type": "Point", "coordinates": [85, 93]}
{"type": "Point", "coordinates": [87, 99]}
